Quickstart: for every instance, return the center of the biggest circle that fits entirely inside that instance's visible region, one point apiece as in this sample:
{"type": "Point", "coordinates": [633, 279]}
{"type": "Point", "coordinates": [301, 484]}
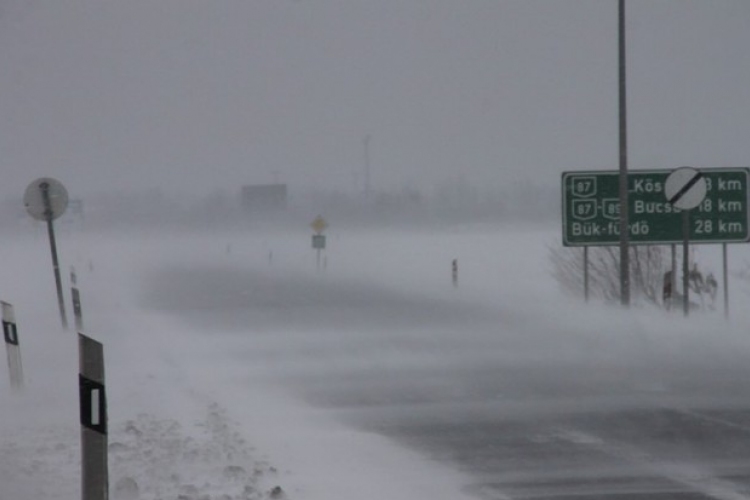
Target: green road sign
{"type": "Point", "coordinates": [591, 208]}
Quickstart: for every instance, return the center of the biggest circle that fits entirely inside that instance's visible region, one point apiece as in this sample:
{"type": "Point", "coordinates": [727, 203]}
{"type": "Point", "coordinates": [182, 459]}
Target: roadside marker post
{"type": "Point", "coordinates": [93, 415]}
{"type": "Point", "coordinates": [319, 239]}
{"type": "Point", "coordinates": [10, 332]}
{"type": "Point", "coordinates": [76, 297]}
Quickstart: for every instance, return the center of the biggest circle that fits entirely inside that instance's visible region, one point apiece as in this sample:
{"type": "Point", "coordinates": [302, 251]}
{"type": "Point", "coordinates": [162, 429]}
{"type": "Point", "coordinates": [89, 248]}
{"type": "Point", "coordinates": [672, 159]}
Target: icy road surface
{"type": "Point", "coordinates": [528, 394]}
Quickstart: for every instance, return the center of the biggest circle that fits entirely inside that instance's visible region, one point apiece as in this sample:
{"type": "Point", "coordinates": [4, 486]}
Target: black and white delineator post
{"type": "Point", "coordinates": [46, 199]}
{"type": "Point", "coordinates": [93, 401]}
{"type": "Point", "coordinates": [76, 297]}
{"type": "Point", "coordinates": [10, 331]}
{"type": "Point", "coordinates": [319, 239]}
{"type": "Point", "coordinates": [685, 188]}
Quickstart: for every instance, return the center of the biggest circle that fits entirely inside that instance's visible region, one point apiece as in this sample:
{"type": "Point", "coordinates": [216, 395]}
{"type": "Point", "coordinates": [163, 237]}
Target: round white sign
{"type": "Point", "coordinates": [685, 188]}
{"type": "Point", "coordinates": [46, 198]}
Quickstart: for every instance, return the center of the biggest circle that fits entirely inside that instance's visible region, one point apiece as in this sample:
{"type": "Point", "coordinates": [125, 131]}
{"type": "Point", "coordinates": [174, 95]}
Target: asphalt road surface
{"type": "Point", "coordinates": [530, 408]}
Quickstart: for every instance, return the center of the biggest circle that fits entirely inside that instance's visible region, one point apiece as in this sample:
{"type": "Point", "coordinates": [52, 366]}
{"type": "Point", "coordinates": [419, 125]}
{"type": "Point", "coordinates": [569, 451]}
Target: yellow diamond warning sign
{"type": "Point", "coordinates": [319, 224]}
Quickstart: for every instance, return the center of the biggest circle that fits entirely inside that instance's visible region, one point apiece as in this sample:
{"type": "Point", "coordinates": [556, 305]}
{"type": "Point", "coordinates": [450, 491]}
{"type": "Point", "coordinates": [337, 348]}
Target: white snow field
{"type": "Point", "coordinates": [213, 381]}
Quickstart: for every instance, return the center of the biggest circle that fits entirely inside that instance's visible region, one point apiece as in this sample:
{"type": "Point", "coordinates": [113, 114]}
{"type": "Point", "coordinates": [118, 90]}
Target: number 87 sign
{"type": "Point", "coordinates": [584, 209]}
{"type": "Point", "coordinates": [584, 186]}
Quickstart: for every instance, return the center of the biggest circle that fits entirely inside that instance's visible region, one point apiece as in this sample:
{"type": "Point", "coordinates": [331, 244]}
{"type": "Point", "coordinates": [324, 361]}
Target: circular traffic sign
{"type": "Point", "coordinates": [685, 188]}
{"type": "Point", "coordinates": [45, 198]}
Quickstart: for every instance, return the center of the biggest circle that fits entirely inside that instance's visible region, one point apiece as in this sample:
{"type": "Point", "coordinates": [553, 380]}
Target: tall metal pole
{"type": "Point", "coordinates": [624, 225]}
{"type": "Point", "coordinates": [53, 247]}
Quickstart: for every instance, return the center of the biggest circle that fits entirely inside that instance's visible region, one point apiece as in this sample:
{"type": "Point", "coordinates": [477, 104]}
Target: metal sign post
{"type": "Point", "coordinates": [674, 270]}
{"type": "Point", "coordinates": [93, 406]}
{"type": "Point", "coordinates": [685, 189]}
{"type": "Point", "coordinates": [586, 274]}
{"type": "Point", "coordinates": [46, 199]}
{"type": "Point", "coordinates": [56, 267]}
{"type": "Point", "coordinates": [725, 273]}
{"type": "Point", "coordinates": [685, 262]}
{"type": "Point", "coordinates": [10, 332]}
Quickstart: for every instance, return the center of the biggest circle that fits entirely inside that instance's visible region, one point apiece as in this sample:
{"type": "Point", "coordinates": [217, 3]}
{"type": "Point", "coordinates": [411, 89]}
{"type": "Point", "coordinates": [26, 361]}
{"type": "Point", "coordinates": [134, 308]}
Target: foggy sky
{"type": "Point", "coordinates": [196, 95]}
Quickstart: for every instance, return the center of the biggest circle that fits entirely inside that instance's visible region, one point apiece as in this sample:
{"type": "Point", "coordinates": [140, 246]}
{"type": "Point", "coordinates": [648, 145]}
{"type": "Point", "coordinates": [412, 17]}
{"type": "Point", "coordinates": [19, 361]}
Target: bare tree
{"type": "Point", "coordinates": [647, 267]}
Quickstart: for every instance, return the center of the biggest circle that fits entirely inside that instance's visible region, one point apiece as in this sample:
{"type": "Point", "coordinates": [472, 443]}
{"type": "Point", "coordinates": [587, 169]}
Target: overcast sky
{"type": "Point", "coordinates": [198, 95]}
